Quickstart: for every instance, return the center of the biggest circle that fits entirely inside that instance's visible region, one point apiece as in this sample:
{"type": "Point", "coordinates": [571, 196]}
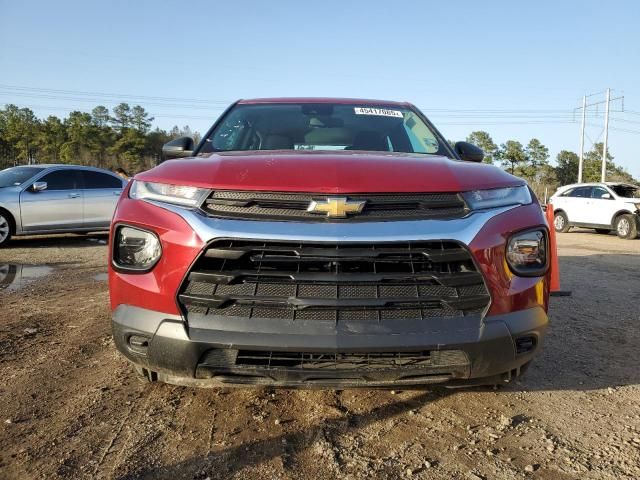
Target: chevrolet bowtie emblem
{"type": "Point", "coordinates": [336, 207]}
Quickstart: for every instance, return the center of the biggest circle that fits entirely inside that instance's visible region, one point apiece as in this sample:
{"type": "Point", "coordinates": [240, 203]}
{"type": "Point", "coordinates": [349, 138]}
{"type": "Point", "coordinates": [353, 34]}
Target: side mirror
{"type": "Point", "coordinates": [469, 152]}
{"type": "Point", "coordinates": [178, 148]}
{"type": "Point", "coordinates": [39, 186]}
{"type": "Point", "coordinates": [606, 196]}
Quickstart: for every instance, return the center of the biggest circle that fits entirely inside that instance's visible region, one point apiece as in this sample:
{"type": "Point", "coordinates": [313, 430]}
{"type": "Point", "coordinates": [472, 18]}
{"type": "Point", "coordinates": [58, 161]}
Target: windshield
{"type": "Point", "coordinates": [626, 191]}
{"type": "Point", "coordinates": [323, 126]}
{"type": "Point", "coordinates": [15, 176]}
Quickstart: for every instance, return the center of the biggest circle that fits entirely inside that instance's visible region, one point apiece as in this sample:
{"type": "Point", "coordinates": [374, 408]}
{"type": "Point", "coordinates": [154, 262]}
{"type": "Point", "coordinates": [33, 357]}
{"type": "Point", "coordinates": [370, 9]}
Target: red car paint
{"type": "Point", "coordinates": [157, 289]}
{"type": "Point", "coordinates": [330, 172]}
{"type": "Point", "coordinates": [324, 172]}
{"type": "Point", "coordinates": [339, 101]}
{"type": "Point", "coordinates": [509, 293]}
{"type": "Point", "coordinates": [168, 344]}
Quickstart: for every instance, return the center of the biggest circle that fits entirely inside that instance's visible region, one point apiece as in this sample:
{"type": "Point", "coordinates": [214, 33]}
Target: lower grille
{"type": "Point", "coordinates": [334, 282]}
{"type": "Point", "coordinates": [279, 360]}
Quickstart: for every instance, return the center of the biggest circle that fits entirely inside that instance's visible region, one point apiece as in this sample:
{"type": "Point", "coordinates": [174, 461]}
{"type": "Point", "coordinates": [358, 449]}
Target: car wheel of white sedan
{"type": "Point", "coordinates": [5, 230]}
{"type": "Point", "coordinates": [626, 227]}
{"type": "Point", "coordinates": [561, 222]}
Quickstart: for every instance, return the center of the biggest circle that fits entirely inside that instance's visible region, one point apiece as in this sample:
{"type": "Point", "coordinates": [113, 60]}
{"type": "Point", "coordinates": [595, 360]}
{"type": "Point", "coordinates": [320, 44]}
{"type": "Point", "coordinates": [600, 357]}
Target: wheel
{"type": "Point", "coordinates": [603, 231]}
{"type": "Point", "coordinates": [626, 226]}
{"type": "Point", "coordinates": [561, 222]}
{"type": "Point", "coordinates": [7, 275]}
{"type": "Point", "coordinates": [5, 229]}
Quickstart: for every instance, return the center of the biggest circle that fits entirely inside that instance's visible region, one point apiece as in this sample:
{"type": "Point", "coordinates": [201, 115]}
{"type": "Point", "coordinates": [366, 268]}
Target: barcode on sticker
{"type": "Point", "coordinates": [382, 112]}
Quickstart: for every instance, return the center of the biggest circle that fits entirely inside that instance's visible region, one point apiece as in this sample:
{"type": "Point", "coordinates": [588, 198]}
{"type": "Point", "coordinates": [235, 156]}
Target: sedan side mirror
{"type": "Point", "coordinates": [606, 196]}
{"type": "Point", "coordinates": [39, 186]}
{"type": "Point", "coordinates": [178, 148]}
{"type": "Point", "coordinates": [469, 152]}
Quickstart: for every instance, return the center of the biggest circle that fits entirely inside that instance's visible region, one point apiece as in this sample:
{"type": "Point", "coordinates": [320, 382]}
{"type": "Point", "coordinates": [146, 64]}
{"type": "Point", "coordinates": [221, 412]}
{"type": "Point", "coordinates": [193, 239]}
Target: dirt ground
{"type": "Point", "coordinates": [70, 406]}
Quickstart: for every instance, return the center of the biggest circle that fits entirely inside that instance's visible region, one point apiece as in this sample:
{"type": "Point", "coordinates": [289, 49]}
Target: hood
{"type": "Point", "coordinates": [330, 172]}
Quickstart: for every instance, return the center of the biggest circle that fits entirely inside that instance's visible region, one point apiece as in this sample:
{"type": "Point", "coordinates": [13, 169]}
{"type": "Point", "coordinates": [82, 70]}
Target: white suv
{"type": "Point", "coordinates": [602, 206]}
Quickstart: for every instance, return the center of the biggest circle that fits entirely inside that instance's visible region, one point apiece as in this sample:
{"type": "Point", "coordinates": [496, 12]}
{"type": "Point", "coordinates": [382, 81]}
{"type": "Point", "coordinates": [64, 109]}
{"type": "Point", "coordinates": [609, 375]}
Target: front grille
{"type": "Point", "coordinates": [293, 206]}
{"type": "Point", "coordinates": [334, 282]}
{"type": "Point", "coordinates": [226, 359]}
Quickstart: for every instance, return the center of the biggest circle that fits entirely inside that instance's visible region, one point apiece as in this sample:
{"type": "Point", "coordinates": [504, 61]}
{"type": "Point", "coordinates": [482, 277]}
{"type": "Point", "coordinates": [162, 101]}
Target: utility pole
{"type": "Point", "coordinates": [584, 107]}
{"type": "Point", "coordinates": [584, 118]}
{"type": "Point", "coordinates": [606, 137]}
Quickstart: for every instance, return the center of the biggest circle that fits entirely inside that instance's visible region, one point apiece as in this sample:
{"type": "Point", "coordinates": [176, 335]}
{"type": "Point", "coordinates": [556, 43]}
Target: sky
{"type": "Point", "coordinates": [517, 70]}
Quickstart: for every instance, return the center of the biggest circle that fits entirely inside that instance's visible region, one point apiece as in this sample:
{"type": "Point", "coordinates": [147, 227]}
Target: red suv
{"type": "Point", "coordinates": [327, 243]}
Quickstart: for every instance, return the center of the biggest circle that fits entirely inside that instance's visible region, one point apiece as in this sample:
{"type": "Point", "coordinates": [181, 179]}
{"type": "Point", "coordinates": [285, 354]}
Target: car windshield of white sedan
{"type": "Point", "coordinates": [15, 176]}
{"type": "Point", "coordinates": [323, 126]}
{"type": "Point", "coordinates": [626, 191]}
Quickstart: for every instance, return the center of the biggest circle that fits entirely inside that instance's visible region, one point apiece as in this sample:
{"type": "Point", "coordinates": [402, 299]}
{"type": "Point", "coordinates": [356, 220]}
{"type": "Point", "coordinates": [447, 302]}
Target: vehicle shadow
{"type": "Point", "coordinates": [590, 232]}
{"type": "Point", "coordinates": [225, 462]}
{"type": "Point", "coordinates": [70, 240]}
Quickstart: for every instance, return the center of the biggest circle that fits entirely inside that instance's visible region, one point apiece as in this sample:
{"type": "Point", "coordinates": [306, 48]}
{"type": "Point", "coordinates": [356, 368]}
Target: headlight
{"type": "Point", "coordinates": [165, 192]}
{"type": "Point", "coordinates": [135, 249]}
{"type": "Point", "coordinates": [498, 197]}
{"type": "Point", "coordinates": [527, 253]}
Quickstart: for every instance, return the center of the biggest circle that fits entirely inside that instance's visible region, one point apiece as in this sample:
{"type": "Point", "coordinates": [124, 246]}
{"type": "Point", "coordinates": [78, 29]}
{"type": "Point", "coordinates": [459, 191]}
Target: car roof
{"type": "Point", "coordinates": [64, 165]}
{"type": "Point", "coordinates": [342, 101]}
{"type": "Point", "coordinates": [595, 184]}
{"type": "Point", "coordinates": [625, 184]}
{"type": "Point", "coordinates": [40, 165]}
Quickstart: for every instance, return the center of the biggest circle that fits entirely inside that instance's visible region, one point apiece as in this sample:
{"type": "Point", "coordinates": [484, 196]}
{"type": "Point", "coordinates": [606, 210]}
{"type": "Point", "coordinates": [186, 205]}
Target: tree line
{"type": "Point", "coordinates": [123, 137]}
{"type": "Point", "coordinates": [531, 162]}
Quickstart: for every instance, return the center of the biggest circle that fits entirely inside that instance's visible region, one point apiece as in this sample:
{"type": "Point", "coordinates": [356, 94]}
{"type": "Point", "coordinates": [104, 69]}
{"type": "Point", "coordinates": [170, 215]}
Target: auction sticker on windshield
{"type": "Point", "coordinates": [383, 112]}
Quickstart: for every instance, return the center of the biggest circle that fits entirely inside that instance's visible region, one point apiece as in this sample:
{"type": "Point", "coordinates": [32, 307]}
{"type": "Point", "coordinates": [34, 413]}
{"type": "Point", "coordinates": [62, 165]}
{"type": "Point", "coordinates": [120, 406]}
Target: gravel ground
{"type": "Point", "coordinates": [71, 408]}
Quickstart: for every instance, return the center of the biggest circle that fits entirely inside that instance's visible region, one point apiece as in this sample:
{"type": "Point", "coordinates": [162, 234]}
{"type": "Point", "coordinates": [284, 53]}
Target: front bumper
{"type": "Point", "coordinates": [487, 350]}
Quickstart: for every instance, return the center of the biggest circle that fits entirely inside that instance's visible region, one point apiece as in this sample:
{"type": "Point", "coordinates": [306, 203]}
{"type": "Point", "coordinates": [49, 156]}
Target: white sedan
{"type": "Point", "coordinates": [601, 206]}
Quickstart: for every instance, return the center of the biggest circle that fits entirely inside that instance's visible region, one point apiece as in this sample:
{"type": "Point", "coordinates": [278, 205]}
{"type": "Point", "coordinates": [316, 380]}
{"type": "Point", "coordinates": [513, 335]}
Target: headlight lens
{"type": "Point", "coordinates": [527, 253]}
{"type": "Point", "coordinates": [165, 192]}
{"type": "Point", "coordinates": [136, 249]}
{"type": "Point", "coordinates": [498, 197]}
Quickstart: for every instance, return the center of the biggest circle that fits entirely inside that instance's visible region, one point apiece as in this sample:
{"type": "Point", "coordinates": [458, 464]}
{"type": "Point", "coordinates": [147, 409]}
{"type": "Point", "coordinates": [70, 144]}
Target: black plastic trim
{"type": "Point", "coordinates": [176, 349]}
{"type": "Point", "coordinates": [292, 206]}
{"type": "Point", "coordinates": [461, 281]}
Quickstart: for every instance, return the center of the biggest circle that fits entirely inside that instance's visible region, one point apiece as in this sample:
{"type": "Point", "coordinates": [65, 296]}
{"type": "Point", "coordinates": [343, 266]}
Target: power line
{"type": "Point", "coordinates": [481, 120]}
{"type": "Point", "coordinates": [113, 95]}
{"type": "Point", "coordinates": [618, 129]}
{"type": "Point", "coordinates": [566, 115]}
{"type": "Point", "coordinates": [583, 108]}
{"type": "Point", "coordinates": [94, 95]}
{"type": "Point", "coordinates": [632, 112]}
{"type": "Point", "coordinates": [624, 120]}
{"type": "Point", "coordinates": [102, 101]}
{"type": "Point", "coordinates": [515, 122]}
{"type": "Point", "coordinates": [160, 115]}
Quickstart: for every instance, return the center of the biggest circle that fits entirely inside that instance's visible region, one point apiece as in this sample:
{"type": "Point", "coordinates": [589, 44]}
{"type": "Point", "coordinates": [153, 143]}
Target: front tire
{"type": "Point", "coordinates": [561, 222]}
{"type": "Point", "coordinates": [626, 227]}
{"type": "Point", "coordinates": [5, 229]}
